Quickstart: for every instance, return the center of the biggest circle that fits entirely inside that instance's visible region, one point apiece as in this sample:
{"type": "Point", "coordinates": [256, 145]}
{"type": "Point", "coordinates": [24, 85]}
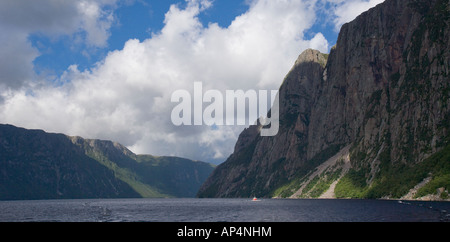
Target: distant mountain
{"type": "Point", "coordinates": [39, 165]}
{"type": "Point", "coordinates": [369, 120]}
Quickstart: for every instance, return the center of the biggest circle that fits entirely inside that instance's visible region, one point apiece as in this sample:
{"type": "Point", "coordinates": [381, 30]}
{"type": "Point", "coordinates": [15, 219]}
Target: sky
{"type": "Point", "coordinates": [106, 69]}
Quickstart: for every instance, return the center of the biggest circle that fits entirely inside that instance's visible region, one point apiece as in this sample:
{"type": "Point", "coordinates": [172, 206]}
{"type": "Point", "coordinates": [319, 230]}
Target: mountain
{"type": "Point", "coordinates": [39, 165]}
{"type": "Point", "coordinates": [369, 120]}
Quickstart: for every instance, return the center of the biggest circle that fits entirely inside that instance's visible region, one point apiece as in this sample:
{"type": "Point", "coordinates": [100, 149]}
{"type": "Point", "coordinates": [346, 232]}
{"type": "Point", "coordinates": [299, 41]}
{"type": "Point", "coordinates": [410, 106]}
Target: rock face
{"type": "Point", "coordinates": [261, 163]}
{"type": "Point", "coordinates": [383, 93]}
{"type": "Point", "coordinates": [39, 165]}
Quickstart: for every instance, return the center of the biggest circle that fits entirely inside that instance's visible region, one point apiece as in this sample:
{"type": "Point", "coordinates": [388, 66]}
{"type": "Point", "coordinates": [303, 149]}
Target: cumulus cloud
{"type": "Point", "coordinates": [347, 10]}
{"type": "Point", "coordinates": [16, 59]}
{"type": "Point", "coordinates": [126, 96]}
{"type": "Point", "coordinates": [20, 19]}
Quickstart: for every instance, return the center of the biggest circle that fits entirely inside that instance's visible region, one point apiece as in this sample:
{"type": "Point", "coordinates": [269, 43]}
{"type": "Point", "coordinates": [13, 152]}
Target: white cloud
{"type": "Point", "coordinates": [86, 20]}
{"type": "Point", "coordinates": [319, 42]}
{"type": "Point", "coordinates": [16, 57]}
{"type": "Point", "coordinates": [347, 10]}
{"type": "Point", "coordinates": [95, 21]}
{"type": "Point", "coordinates": [126, 96]}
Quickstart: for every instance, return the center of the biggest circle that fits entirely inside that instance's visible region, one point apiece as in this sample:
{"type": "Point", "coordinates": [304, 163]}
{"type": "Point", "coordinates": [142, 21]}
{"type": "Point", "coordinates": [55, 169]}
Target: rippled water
{"type": "Point", "coordinates": [217, 210]}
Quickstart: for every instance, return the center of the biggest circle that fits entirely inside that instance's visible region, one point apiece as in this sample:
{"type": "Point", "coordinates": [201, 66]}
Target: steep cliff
{"type": "Point", "coordinates": [39, 165]}
{"type": "Point", "coordinates": [361, 122]}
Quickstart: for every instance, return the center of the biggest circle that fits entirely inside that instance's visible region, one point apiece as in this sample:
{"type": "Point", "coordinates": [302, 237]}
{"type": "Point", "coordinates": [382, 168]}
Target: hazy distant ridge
{"type": "Point", "coordinates": [39, 165]}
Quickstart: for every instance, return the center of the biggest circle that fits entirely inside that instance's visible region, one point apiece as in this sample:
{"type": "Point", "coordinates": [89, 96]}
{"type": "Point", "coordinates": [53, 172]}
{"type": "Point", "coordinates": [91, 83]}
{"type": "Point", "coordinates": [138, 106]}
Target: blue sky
{"type": "Point", "coordinates": [106, 69]}
{"type": "Point", "coordinates": [138, 20]}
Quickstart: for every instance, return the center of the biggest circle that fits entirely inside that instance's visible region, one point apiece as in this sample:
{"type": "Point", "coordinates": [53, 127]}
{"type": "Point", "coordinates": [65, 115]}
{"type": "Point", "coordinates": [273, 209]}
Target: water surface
{"type": "Point", "coordinates": [222, 210]}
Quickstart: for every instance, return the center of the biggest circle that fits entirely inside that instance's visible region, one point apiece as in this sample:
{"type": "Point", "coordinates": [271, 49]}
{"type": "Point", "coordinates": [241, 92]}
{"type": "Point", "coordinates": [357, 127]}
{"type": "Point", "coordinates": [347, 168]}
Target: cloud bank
{"type": "Point", "coordinates": [126, 96]}
{"type": "Point", "coordinates": [87, 21]}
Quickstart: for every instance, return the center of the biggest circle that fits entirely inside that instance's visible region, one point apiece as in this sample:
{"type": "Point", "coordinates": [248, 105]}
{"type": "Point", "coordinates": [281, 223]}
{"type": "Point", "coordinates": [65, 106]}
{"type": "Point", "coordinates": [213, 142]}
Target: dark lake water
{"type": "Point", "coordinates": [222, 210]}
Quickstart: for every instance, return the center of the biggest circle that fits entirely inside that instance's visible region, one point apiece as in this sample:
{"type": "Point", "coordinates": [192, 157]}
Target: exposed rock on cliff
{"type": "Point", "coordinates": [383, 94]}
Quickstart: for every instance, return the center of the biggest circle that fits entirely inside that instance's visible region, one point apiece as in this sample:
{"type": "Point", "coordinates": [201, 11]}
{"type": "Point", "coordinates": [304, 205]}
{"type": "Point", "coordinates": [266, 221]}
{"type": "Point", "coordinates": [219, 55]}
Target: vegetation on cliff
{"type": "Point", "coordinates": [39, 165]}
